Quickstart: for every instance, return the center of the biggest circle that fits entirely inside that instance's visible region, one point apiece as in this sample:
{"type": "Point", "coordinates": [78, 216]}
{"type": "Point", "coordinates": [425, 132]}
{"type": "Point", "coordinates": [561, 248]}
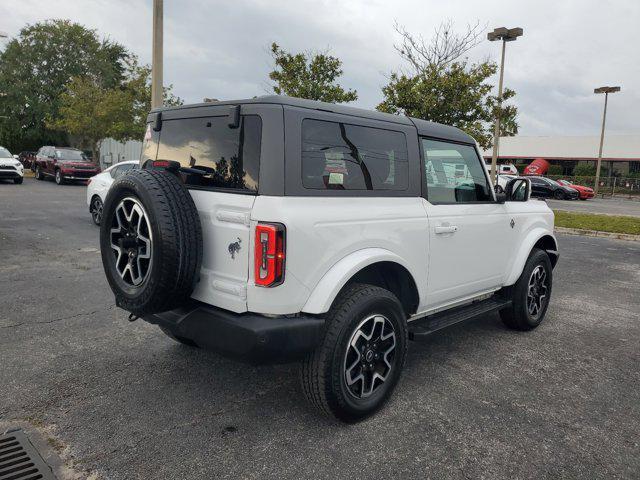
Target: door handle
{"type": "Point", "coordinates": [449, 229]}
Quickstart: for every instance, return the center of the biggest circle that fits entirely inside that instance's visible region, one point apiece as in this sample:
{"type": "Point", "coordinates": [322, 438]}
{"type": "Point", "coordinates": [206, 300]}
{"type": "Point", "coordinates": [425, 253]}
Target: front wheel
{"type": "Point", "coordinates": [559, 195]}
{"type": "Point", "coordinates": [39, 175]}
{"type": "Point", "coordinates": [531, 293]}
{"type": "Point", "coordinates": [59, 177]}
{"type": "Point", "coordinates": [354, 370]}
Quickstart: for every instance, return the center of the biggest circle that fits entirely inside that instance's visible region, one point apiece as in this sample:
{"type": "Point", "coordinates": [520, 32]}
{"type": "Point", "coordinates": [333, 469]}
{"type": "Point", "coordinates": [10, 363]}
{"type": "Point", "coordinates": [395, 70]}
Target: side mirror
{"type": "Point", "coordinates": [518, 190]}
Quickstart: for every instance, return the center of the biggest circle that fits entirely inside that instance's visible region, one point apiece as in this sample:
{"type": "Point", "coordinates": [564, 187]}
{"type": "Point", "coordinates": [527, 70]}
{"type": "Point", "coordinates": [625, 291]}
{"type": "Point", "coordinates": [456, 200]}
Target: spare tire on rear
{"type": "Point", "coordinates": [151, 241]}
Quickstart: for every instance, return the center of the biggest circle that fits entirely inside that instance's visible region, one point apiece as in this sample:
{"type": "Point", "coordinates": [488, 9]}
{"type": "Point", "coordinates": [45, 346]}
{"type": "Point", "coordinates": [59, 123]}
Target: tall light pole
{"type": "Point", "coordinates": [156, 56]}
{"type": "Point", "coordinates": [606, 91]}
{"type": "Point", "coordinates": [506, 35]}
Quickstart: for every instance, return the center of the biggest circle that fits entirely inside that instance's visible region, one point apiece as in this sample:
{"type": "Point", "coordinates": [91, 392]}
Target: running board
{"type": "Point", "coordinates": [423, 327]}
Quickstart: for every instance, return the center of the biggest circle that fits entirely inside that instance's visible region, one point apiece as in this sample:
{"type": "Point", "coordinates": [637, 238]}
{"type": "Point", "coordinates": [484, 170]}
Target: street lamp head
{"type": "Point", "coordinates": [606, 90]}
{"type": "Point", "coordinates": [506, 34]}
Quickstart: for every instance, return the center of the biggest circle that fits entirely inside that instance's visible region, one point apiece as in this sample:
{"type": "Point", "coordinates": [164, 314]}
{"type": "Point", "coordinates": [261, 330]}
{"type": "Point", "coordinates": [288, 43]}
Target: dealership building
{"type": "Point", "coordinates": [620, 153]}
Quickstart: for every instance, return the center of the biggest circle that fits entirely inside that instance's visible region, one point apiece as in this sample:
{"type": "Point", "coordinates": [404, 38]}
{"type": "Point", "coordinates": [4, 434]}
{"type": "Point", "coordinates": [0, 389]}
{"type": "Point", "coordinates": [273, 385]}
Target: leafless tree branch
{"type": "Point", "coordinates": [444, 47]}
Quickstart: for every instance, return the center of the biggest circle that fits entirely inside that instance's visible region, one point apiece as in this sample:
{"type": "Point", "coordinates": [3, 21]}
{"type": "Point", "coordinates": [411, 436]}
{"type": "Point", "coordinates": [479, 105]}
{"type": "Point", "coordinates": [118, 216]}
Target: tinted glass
{"type": "Point", "coordinates": [455, 173]}
{"type": "Point", "coordinates": [68, 154]}
{"type": "Point", "coordinates": [218, 156]}
{"type": "Point", "coordinates": [122, 169]}
{"type": "Point", "coordinates": [337, 156]}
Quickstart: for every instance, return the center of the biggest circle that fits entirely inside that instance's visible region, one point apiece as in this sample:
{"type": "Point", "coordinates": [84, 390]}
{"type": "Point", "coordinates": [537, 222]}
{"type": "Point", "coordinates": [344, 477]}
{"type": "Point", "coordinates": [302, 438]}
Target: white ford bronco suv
{"type": "Point", "coordinates": [278, 229]}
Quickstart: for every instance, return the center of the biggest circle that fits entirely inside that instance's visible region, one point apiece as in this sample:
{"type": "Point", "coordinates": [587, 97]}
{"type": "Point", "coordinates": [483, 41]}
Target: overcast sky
{"type": "Point", "coordinates": [220, 48]}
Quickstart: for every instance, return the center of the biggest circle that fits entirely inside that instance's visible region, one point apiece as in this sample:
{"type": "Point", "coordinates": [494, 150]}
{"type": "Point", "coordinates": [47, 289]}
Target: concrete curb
{"type": "Point", "coordinates": [597, 233]}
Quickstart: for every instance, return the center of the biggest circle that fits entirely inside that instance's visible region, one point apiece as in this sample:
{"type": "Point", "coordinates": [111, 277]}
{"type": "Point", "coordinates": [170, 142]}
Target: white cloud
{"type": "Point", "coordinates": [220, 48]}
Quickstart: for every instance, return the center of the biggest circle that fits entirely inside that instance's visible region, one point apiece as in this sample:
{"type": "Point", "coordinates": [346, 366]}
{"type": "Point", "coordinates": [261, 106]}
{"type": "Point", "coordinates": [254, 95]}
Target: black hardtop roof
{"type": "Point", "coordinates": [424, 127]}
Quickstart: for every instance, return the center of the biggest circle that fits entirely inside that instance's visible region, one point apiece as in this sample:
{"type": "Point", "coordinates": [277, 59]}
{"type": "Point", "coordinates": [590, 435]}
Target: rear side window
{"type": "Point", "coordinates": [120, 170]}
{"type": "Point", "coordinates": [339, 156]}
{"type": "Point", "coordinates": [455, 173]}
{"type": "Point", "coordinates": [217, 156]}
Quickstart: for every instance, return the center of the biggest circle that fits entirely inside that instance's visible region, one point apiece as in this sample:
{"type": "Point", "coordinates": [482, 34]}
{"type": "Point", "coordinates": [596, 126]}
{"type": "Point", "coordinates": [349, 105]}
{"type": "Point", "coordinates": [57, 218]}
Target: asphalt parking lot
{"type": "Point", "coordinates": [119, 400]}
{"type": "Point", "coordinates": [605, 206]}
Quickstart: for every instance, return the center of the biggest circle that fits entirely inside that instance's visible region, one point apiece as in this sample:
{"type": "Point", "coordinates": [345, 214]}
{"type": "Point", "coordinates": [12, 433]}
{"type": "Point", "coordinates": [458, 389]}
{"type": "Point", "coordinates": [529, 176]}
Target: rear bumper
{"type": "Point", "coordinates": [247, 337]}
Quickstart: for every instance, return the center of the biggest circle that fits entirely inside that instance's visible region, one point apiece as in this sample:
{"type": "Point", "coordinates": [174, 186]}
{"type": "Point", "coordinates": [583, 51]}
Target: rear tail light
{"type": "Point", "coordinates": [269, 254]}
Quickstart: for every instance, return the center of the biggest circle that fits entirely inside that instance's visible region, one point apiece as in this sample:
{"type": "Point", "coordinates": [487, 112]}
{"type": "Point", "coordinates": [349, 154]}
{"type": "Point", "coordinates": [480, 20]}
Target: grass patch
{"type": "Point", "coordinates": [602, 223]}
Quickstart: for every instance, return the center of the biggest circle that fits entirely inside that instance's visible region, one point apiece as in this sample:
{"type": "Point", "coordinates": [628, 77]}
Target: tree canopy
{"type": "Point", "coordinates": [90, 111]}
{"type": "Point", "coordinates": [445, 88]}
{"type": "Point", "coordinates": [35, 68]}
{"type": "Point", "coordinates": [309, 75]}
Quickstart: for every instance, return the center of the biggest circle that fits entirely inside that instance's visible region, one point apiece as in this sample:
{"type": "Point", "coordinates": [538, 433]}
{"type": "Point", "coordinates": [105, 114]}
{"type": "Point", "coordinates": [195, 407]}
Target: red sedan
{"type": "Point", "coordinates": [583, 192]}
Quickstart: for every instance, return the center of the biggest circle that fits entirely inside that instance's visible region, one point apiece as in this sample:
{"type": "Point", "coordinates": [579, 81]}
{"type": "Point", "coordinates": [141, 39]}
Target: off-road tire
{"type": "Point", "coordinates": [178, 338]}
{"type": "Point", "coordinates": [517, 316]}
{"type": "Point", "coordinates": [176, 252]}
{"type": "Point", "coordinates": [321, 372]}
{"type": "Point", "coordinates": [18, 180]}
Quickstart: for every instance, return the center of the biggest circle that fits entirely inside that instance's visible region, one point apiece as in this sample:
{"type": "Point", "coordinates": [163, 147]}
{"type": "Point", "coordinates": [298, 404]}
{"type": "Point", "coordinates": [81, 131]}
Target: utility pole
{"type": "Point", "coordinates": [606, 91]}
{"type": "Point", "coordinates": [156, 57]}
{"type": "Point", "coordinates": [506, 35]}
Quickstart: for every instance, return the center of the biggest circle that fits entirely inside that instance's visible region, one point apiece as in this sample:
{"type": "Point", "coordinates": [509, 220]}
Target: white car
{"type": "Point", "coordinates": [98, 186]}
{"type": "Point", "coordinates": [10, 167]}
{"type": "Point", "coordinates": [501, 184]}
{"type": "Point", "coordinates": [280, 229]}
{"type": "Point", "coordinates": [504, 169]}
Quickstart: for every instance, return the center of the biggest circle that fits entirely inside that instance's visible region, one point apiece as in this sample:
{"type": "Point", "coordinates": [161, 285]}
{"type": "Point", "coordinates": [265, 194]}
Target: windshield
{"type": "Point", "coordinates": [4, 153]}
{"type": "Point", "coordinates": [69, 154]}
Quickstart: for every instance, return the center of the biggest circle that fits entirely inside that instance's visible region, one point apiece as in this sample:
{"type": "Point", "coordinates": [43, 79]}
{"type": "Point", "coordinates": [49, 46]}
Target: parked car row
{"type": "Point", "coordinates": [544, 187]}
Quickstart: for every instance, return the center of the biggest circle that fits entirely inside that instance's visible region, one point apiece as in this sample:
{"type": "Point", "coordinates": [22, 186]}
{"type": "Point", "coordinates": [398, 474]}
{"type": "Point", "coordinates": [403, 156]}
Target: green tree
{"type": "Point", "coordinates": [309, 75]}
{"type": "Point", "coordinates": [35, 68]}
{"type": "Point", "coordinates": [584, 170]}
{"type": "Point", "coordinates": [91, 112]}
{"type": "Point", "coordinates": [554, 170]}
{"type": "Point", "coordinates": [445, 88]}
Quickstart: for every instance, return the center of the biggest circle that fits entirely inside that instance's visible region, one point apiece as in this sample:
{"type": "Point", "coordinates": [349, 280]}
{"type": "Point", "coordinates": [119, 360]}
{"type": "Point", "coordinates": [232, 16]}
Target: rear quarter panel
{"type": "Point", "coordinates": [321, 231]}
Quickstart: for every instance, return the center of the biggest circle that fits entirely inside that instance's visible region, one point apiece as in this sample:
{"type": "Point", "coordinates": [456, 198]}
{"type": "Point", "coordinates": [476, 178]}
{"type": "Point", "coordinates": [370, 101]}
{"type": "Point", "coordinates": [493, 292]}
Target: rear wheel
{"type": "Point", "coordinates": [354, 370]}
{"type": "Point", "coordinates": [531, 293]}
{"type": "Point", "coordinates": [96, 210]}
